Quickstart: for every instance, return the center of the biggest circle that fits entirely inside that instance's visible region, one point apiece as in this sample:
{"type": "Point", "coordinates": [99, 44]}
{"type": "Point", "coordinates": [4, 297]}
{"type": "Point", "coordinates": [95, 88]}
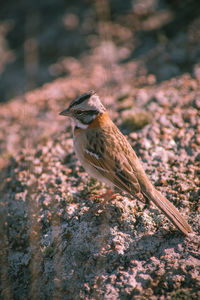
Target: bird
{"type": "Point", "coordinates": [106, 155]}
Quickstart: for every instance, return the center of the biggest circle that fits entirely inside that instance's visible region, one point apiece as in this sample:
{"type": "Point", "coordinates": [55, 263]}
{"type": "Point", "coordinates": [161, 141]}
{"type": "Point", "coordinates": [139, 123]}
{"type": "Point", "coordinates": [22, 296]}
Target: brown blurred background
{"type": "Point", "coordinates": [35, 36]}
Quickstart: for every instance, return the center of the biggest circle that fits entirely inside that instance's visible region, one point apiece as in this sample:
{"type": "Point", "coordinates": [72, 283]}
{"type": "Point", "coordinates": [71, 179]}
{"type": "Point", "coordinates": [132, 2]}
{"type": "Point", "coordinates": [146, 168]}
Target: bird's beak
{"type": "Point", "coordinates": [65, 112]}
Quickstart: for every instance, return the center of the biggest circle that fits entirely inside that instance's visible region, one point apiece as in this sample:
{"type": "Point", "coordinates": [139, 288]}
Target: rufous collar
{"type": "Point", "coordinates": [99, 121]}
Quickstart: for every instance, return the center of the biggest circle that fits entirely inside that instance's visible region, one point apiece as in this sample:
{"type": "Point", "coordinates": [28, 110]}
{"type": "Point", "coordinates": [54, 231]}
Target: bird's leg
{"type": "Point", "coordinates": [108, 196]}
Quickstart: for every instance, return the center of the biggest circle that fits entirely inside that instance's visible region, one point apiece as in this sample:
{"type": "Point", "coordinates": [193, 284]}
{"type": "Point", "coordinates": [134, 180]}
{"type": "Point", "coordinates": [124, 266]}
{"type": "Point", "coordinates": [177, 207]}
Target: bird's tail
{"type": "Point", "coordinates": [169, 210]}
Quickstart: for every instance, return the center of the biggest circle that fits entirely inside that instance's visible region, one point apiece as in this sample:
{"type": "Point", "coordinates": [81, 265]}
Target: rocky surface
{"type": "Point", "coordinates": [53, 245]}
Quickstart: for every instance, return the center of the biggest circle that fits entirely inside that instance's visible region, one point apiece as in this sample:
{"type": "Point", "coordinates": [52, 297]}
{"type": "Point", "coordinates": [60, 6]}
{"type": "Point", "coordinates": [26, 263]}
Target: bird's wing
{"type": "Point", "coordinates": [112, 156]}
{"type": "Point", "coordinates": [108, 155]}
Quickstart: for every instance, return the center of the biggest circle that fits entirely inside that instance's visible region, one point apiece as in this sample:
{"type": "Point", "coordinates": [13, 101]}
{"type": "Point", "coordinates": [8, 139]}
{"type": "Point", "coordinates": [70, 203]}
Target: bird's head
{"type": "Point", "coordinates": [84, 109]}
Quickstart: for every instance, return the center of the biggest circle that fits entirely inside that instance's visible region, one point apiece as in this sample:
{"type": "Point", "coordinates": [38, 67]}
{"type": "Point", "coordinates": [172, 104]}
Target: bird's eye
{"type": "Point", "coordinates": [79, 112]}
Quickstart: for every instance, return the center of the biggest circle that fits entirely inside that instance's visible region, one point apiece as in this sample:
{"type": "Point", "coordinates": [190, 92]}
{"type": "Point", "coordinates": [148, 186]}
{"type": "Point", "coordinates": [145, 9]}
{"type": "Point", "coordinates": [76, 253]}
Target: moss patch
{"type": "Point", "coordinates": [135, 120]}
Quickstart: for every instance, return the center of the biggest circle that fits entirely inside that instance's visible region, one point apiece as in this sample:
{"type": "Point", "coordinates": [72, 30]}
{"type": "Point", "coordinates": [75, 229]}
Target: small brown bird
{"type": "Point", "coordinates": [106, 155]}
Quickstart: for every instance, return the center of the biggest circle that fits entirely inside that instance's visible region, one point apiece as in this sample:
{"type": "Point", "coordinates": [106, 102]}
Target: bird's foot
{"type": "Point", "coordinates": [108, 196]}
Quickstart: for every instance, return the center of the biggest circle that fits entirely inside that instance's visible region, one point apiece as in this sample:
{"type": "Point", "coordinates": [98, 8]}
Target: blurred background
{"type": "Point", "coordinates": [37, 36]}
